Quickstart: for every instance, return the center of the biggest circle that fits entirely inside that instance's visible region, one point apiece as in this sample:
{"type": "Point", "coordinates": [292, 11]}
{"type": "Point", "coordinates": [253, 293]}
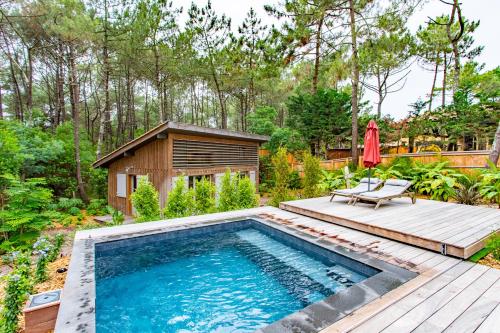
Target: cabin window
{"type": "Point", "coordinates": [121, 185]}
{"type": "Point", "coordinates": [193, 179]}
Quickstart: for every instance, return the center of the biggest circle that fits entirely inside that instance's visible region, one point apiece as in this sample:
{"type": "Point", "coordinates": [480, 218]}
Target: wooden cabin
{"type": "Point", "coordinates": [173, 150]}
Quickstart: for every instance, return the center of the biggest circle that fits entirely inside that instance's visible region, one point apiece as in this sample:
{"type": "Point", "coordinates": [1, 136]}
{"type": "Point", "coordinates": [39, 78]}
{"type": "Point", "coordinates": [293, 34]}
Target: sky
{"type": "Point", "coordinates": [419, 81]}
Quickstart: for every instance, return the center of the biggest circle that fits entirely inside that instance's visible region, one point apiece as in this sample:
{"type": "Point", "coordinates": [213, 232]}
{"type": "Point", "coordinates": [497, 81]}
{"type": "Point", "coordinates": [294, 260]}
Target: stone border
{"type": "Point", "coordinates": [77, 309]}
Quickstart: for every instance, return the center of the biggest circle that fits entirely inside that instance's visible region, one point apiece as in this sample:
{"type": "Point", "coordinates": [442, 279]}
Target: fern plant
{"type": "Point", "coordinates": [25, 214]}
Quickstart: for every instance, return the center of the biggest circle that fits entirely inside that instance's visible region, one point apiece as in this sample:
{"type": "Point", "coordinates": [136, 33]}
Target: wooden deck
{"type": "Point", "coordinates": [448, 295]}
{"type": "Point", "coordinates": [448, 228]}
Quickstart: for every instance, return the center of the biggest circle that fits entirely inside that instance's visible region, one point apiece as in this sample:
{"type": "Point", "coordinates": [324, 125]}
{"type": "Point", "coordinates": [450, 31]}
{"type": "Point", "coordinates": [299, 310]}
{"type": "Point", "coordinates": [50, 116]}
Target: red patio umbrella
{"type": "Point", "coordinates": [371, 153]}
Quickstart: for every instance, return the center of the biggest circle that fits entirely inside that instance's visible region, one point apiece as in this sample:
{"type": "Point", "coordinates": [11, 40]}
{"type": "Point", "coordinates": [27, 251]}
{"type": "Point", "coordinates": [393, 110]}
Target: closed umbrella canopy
{"type": "Point", "coordinates": [371, 153]}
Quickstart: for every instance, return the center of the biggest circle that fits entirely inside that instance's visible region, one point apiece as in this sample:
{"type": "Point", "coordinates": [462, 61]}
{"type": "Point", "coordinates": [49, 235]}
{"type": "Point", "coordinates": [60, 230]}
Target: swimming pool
{"type": "Point", "coordinates": [235, 277]}
{"type": "Point", "coordinates": [216, 276]}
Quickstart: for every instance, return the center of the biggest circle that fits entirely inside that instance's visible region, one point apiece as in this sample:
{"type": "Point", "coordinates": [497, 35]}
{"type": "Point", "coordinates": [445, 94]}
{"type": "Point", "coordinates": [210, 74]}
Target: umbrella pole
{"type": "Point", "coordinates": [369, 175]}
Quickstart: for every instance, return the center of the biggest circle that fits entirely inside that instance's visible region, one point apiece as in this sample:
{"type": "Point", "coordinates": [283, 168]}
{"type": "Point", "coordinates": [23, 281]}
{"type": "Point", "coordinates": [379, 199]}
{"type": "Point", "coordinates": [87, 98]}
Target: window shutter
{"type": "Point", "coordinates": [121, 185]}
{"type": "Point", "coordinates": [218, 182]}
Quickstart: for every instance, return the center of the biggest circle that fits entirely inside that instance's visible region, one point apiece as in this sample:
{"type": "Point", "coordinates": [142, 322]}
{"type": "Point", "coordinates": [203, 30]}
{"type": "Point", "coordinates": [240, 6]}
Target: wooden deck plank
{"type": "Point", "coordinates": [416, 315]}
{"type": "Point", "coordinates": [372, 310]}
{"type": "Point", "coordinates": [442, 318]}
{"type": "Point", "coordinates": [491, 323]}
{"type": "Point", "coordinates": [442, 224]}
{"type": "Point", "coordinates": [481, 222]}
{"type": "Point", "coordinates": [470, 320]}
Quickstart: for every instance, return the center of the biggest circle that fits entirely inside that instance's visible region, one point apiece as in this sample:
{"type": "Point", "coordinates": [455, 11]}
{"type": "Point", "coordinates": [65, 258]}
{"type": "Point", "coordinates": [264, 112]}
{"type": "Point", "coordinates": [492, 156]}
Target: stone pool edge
{"type": "Point", "coordinates": [77, 309]}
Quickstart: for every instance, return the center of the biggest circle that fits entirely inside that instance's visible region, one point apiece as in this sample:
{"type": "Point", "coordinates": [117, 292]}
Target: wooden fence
{"type": "Point", "coordinates": [463, 160]}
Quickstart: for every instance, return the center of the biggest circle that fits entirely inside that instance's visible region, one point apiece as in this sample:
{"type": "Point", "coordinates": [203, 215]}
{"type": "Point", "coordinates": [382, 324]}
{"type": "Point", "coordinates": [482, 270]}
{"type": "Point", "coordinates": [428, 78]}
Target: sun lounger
{"type": "Point", "coordinates": [361, 188]}
{"type": "Point", "coordinates": [393, 188]}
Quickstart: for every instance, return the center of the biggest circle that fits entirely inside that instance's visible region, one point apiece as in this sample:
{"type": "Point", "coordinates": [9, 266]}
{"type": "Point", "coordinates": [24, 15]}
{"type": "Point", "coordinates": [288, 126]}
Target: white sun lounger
{"type": "Point", "coordinates": [361, 188]}
{"type": "Point", "coordinates": [393, 188]}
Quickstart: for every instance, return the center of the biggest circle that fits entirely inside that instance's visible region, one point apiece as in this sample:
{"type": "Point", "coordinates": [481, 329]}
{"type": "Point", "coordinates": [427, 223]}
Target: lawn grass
{"type": "Point", "coordinates": [479, 255]}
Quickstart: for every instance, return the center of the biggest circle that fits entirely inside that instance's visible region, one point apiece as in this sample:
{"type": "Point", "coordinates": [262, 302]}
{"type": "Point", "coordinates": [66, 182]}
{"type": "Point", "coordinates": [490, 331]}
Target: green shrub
{"type": "Point", "coordinates": [435, 180]}
{"type": "Point", "coordinates": [57, 244]}
{"type": "Point", "coordinates": [282, 170]}
{"type": "Point", "coordinates": [467, 191]}
{"type": "Point", "coordinates": [204, 194]}
{"type": "Point", "coordinates": [331, 180]}
{"type": "Point", "coordinates": [42, 248]}
{"type": "Point", "coordinates": [228, 193]}
{"type": "Point", "coordinates": [493, 245]}
{"type": "Point", "coordinates": [17, 290]}
{"type": "Point", "coordinates": [385, 173]}
{"type": "Point", "coordinates": [67, 221]}
{"type": "Point", "coordinates": [97, 207]}
{"type": "Point", "coordinates": [490, 183]}
{"type": "Point", "coordinates": [41, 268]}
{"type": "Point", "coordinates": [247, 198]}
{"type": "Point", "coordinates": [65, 204]}
{"type": "Point", "coordinates": [264, 187]}
{"type": "Point", "coordinates": [180, 201]}
{"type": "Point", "coordinates": [266, 172]}
{"type": "Point", "coordinates": [74, 211]}
{"type": "Point", "coordinates": [312, 176]}
{"type": "Point", "coordinates": [295, 181]}
{"type": "Point", "coordinates": [146, 201]}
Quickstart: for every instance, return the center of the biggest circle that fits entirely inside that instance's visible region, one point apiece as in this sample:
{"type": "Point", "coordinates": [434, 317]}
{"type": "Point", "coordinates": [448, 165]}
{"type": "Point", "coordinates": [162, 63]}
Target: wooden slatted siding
{"type": "Point", "coordinates": [203, 154]}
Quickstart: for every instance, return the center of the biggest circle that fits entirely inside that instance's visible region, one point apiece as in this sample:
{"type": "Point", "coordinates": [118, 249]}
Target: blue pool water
{"type": "Point", "coordinates": [218, 281]}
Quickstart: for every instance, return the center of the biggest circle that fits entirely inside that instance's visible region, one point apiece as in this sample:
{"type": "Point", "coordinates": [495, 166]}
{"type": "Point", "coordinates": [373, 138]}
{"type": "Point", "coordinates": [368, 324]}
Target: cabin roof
{"type": "Point", "coordinates": [174, 127]}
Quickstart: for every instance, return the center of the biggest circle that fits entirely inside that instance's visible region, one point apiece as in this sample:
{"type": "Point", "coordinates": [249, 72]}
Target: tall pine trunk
{"type": "Point", "coordinates": [445, 72]}
{"type": "Point", "coordinates": [75, 110]}
{"type": "Point", "coordinates": [436, 68]}
{"type": "Point", "coordinates": [355, 85]}
{"type": "Point", "coordinates": [317, 55]}
{"type": "Point", "coordinates": [105, 120]}
{"type": "Point", "coordinates": [495, 148]}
